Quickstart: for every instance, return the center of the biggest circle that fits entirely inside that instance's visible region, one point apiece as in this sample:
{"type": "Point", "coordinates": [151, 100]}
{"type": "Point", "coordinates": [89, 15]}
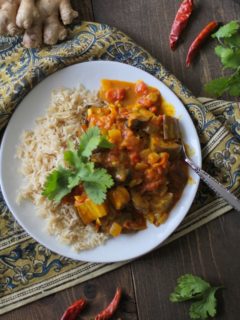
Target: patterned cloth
{"type": "Point", "coordinates": [28, 271]}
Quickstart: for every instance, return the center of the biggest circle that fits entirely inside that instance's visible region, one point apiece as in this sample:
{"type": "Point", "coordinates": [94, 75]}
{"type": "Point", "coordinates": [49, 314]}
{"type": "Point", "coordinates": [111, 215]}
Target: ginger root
{"type": "Point", "coordinates": [8, 12]}
{"type": "Point", "coordinates": [42, 21]}
{"type": "Point", "coordinates": [53, 29]}
{"type": "Point", "coordinates": [27, 14]}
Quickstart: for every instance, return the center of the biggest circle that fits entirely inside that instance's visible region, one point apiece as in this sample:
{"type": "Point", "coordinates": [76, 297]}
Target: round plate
{"type": "Point", "coordinates": [34, 105]}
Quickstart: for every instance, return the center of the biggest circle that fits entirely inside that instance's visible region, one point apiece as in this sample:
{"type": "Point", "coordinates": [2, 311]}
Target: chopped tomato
{"type": "Point", "coordinates": [153, 96]}
{"type": "Point", "coordinates": [130, 140]}
{"type": "Point", "coordinates": [84, 127]}
{"type": "Point", "coordinates": [141, 88]}
{"type": "Point", "coordinates": [153, 109]}
{"type": "Point", "coordinates": [164, 160]}
{"type": "Point", "coordinates": [113, 95]}
{"type": "Point", "coordinates": [134, 158]}
{"type": "Point", "coordinates": [152, 186]}
{"type": "Point", "coordinates": [145, 102]}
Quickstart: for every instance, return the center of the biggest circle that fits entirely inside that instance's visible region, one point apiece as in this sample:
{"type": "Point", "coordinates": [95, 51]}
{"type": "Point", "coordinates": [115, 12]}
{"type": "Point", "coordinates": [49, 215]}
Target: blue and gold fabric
{"type": "Point", "coordinates": [29, 271]}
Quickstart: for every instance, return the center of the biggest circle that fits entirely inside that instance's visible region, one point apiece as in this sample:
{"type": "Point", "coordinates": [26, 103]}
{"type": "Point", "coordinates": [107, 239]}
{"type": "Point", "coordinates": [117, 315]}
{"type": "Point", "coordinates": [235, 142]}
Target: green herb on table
{"type": "Point", "coordinates": [228, 51]}
{"type": "Point", "coordinates": [190, 287]}
{"type": "Point", "coordinates": [81, 170]}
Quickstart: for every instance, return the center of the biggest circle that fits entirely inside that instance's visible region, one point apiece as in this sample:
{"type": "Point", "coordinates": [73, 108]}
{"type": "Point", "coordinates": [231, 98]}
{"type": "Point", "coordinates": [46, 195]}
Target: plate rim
{"type": "Point", "coordinates": [40, 241]}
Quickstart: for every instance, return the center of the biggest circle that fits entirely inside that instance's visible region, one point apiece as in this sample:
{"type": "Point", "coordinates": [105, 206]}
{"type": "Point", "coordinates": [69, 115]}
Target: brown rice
{"type": "Point", "coordinates": [41, 150]}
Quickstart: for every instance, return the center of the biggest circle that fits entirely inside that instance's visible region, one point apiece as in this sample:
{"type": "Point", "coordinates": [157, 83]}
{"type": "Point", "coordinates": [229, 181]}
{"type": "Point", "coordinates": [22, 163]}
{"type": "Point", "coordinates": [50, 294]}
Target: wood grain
{"type": "Point", "coordinates": [84, 8]}
{"type": "Point", "coordinates": [149, 23]}
{"type": "Point", "coordinates": [211, 251]}
{"type": "Point", "coordinates": [98, 293]}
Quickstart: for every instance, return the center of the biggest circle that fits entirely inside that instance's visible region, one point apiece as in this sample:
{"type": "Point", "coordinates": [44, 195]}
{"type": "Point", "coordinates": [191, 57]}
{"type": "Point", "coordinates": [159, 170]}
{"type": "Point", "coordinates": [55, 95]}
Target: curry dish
{"type": "Point", "coordinates": [145, 161]}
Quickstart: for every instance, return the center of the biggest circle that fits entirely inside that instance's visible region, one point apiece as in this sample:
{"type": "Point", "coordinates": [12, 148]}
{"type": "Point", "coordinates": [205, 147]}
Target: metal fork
{"type": "Point", "coordinates": [172, 131]}
{"type": "Point", "coordinates": [211, 182]}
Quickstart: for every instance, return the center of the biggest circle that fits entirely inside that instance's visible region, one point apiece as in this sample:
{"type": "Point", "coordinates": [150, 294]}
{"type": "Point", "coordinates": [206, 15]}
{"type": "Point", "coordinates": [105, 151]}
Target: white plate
{"type": "Point", "coordinates": [34, 105]}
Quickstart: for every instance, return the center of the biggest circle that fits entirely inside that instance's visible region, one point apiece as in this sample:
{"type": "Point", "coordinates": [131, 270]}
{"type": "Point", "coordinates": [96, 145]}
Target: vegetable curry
{"type": "Point", "coordinates": [145, 160]}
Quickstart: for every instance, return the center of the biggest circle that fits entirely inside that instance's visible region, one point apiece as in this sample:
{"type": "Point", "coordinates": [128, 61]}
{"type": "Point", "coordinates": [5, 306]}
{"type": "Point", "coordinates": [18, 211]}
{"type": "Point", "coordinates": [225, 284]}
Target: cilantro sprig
{"type": "Point", "coordinates": [190, 287]}
{"type": "Point", "coordinates": [228, 51]}
{"type": "Point", "coordinates": [80, 170]}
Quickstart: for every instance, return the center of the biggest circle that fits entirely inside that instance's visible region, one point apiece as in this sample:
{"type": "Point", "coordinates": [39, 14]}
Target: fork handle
{"type": "Point", "coordinates": [215, 185]}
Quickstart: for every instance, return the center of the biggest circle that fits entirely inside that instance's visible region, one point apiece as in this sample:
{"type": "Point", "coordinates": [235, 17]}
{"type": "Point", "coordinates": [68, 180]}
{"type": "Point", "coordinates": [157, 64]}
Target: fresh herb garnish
{"type": "Point", "coordinates": [228, 51]}
{"type": "Point", "coordinates": [95, 181]}
{"type": "Point", "coordinates": [56, 184]}
{"type": "Point", "coordinates": [190, 287]}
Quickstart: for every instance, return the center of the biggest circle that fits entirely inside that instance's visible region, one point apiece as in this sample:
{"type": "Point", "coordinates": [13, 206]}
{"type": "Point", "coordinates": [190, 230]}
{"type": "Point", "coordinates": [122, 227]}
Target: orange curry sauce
{"type": "Point", "coordinates": [148, 169]}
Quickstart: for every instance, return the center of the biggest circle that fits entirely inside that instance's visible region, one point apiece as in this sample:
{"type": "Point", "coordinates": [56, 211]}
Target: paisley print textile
{"type": "Point", "coordinates": [28, 271]}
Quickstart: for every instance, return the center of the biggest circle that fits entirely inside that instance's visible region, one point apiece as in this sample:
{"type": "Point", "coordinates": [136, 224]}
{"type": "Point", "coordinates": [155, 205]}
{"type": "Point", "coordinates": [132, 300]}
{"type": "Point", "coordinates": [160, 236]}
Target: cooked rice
{"type": "Point", "coordinates": [41, 150]}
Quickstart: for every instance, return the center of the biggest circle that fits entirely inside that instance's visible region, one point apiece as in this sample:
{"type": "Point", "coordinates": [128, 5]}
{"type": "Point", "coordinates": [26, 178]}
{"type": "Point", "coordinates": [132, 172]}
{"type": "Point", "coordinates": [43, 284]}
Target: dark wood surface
{"type": "Point", "coordinates": [212, 251]}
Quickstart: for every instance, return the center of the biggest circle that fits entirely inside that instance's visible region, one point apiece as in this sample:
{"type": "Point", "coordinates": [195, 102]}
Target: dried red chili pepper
{"type": "Point", "coordinates": [206, 31]}
{"type": "Point", "coordinates": [74, 310]}
{"type": "Point", "coordinates": [180, 22]}
{"type": "Point", "coordinates": [111, 308]}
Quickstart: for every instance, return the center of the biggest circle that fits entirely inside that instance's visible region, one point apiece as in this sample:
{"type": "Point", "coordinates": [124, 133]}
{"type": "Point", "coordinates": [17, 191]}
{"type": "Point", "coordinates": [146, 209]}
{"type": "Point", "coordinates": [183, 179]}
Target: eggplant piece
{"type": "Point", "coordinates": [159, 145]}
{"type": "Point", "coordinates": [161, 204]}
{"type": "Point", "coordinates": [171, 130]}
{"type": "Point", "coordinates": [97, 157]}
{"type": "Point", "coordinates": [135, 225]}
{"type": "Point", "coordinates": [119, 197]}
{"type": "Point", "coordinates": [139, 118]}
{"type": "Point", "coordinates": [121, 174]}
{"type": "Point", "coordinates": [135, 182]}
{"type": "Point", "coordinates": [140, 202]}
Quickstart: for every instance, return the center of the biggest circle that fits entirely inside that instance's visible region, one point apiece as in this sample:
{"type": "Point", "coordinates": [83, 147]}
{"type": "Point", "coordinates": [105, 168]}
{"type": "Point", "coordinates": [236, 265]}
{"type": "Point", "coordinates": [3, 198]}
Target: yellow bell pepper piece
{"type": "Point", "coordinates": [119, 197]}
{"type": "Point", "coordinates": [115, 229]}
{"type": "Point", "coordinates": [153, 157]}
{"type": "Point", "coordinates": [89, 211]}
{"type": "Point", "coordinates": [115, 136]}
{"type": "Point", "coordinates": [150, 217]}
{"type": "Point", "coordinates": [160, 218]}
{"type": "Point", "coordinates": [141, 166]}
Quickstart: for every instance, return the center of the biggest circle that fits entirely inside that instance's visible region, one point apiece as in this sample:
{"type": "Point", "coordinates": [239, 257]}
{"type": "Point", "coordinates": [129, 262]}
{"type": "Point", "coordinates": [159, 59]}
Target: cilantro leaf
{"type": "Point", "coordinates": [188, 287]}
{"type": "Point", "coordinates": [227, 30]}
{"type": "Point", "coordinates": [229, 53]}
{"type": "Point", "coordinates": [95, 192]}
{"type": "Point", "coordinates": [100, 176]}
{"type": "Point", "coordinates": [234, 86]}
{"type": "Point", "coordinates": [74, 180]}
{"type": "Point", "coordinates": [72, 158]}
{"type": "Point", "coordinates": [104, 143]}
{"type": "Point", "coordinates": [89, 141]}
{"type": "Point", "coordinates": [96, 181]}
{"type": "Point", "coordinates": [206, 307]}
{"type": "Point", "coordinates": [84, 171]}
{"type": "Point", "coordinates": [217, 86]}
{"type": "Point", "coordinates": [233, 42]}
{"type": "Point", "coordinates": [56, 185]}
{"type": "Point", "coordinates": [230, 57]}
{"type": "Point", "coordinates": [92, 139]}
{"type": "Point", "coordinates": [97, 185]}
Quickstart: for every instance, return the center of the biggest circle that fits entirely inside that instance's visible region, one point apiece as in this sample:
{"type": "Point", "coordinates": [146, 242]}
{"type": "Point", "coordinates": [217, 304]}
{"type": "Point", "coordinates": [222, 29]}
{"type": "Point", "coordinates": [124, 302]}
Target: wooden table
{"type": "Point", "coordinates": [211, 251]}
